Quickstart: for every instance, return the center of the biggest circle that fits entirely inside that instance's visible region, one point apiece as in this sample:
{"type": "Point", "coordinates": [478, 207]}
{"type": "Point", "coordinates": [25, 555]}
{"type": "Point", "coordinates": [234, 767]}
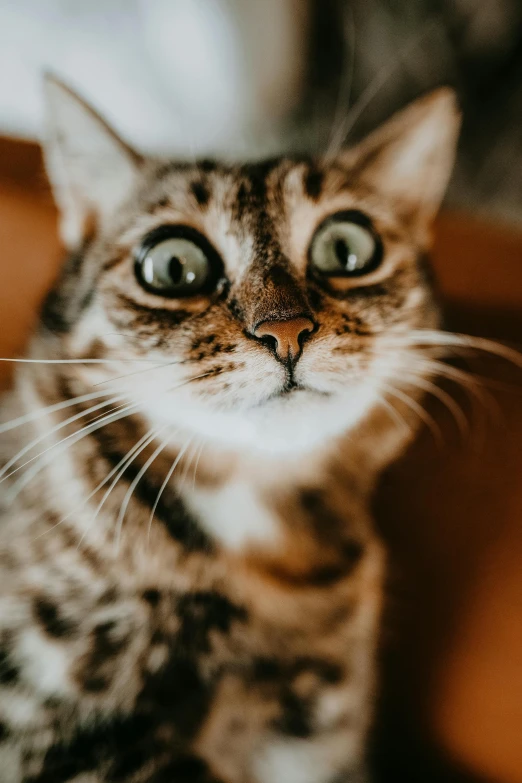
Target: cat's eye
{"type": "Point", "coordinates": [345, 245]}
{"type": "Point", "coordinates": [177, 261]}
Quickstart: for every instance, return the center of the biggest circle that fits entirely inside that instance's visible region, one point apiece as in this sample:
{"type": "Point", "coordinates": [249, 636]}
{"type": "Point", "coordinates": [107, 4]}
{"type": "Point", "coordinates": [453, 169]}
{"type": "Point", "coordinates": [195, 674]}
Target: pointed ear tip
{"type": "Point", "coordinates": [446, 96]}
{"type": "Point", "coordinates": [54, 87]}
{"type": "Point", "coordinates": [49, 77]}
{"type": "Point", "coordinates": [442, 101]}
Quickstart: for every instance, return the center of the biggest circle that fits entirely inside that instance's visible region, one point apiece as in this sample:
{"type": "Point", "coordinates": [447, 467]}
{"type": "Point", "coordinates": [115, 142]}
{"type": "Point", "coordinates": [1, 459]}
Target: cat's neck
{"type": "Point", "coordinates": [242, 499]}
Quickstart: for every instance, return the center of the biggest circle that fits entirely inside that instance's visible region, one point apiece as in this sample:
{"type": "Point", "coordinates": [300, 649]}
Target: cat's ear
{"type": "Point", "coordinates": [410, 158]}
{"type": "Point", "coordinates": [90, 169]}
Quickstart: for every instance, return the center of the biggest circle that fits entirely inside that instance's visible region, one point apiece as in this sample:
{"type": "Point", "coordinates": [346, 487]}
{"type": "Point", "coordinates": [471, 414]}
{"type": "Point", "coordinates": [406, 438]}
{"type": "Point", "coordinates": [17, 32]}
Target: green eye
{"type": "Point", "coordinates": [177, 261]}
{"type": "Point", "coordinates": [345, 245]}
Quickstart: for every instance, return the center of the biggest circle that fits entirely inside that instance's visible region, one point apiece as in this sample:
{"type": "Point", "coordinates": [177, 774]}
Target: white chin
{"type": "Point", "coordinates": [303, 420]}
{"type": "Point", "coordinates": [293, 423]}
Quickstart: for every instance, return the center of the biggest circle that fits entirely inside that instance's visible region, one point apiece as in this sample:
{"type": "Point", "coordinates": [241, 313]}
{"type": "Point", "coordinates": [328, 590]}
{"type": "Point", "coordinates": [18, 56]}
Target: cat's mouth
{"type": "Point", "coordinates": [292, 387]}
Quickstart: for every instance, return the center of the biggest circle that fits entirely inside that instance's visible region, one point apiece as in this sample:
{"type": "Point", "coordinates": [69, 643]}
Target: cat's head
{"type": "Point", "coordinates": [255, 305]}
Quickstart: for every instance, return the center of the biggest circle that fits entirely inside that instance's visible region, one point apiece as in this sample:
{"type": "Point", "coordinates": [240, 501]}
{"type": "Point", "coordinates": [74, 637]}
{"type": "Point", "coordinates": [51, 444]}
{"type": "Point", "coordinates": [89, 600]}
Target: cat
{"type": "Point", "coordinates": [190, 579]}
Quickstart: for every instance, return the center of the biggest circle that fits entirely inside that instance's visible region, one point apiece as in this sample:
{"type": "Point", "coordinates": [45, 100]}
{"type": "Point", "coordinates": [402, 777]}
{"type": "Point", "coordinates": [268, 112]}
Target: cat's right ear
{"type": "Point", "coordinates": [90, 169]}
{"type": "Point", "coordinates": [410, 158]}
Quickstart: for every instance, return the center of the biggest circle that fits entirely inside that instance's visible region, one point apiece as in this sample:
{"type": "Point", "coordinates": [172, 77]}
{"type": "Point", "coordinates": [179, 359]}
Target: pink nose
{"type": "Point", "coordinates": [287, 335]}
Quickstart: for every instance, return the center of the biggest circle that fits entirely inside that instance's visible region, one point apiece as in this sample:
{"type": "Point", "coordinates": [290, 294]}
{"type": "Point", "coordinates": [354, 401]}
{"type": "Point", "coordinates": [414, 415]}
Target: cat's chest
{"type": "Point", "coordinates": [165, 670]}
{"type": "Point", "coordinates": [259, 666]}
{"type": "Point", "coordinates": [237, 514]}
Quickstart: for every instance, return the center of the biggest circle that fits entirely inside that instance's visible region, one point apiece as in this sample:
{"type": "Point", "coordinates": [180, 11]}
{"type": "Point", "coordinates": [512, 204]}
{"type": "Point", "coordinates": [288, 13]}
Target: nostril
{"type": "Point", "coordinates": [270, 341]}
{"type": "Point", "coordinates": [304, 335]}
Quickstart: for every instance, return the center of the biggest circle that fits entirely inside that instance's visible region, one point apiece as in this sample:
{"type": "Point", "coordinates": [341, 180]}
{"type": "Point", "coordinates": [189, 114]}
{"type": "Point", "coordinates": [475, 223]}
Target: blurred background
{"type": "Point", "coordinates": [239, 76]}
{"type": "Point", "coordinates": [252, 77]}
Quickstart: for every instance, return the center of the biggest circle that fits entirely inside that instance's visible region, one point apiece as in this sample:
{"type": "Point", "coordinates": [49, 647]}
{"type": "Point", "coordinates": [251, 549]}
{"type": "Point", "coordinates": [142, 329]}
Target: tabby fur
{"type": "Point", "coordinates": [213, 617]}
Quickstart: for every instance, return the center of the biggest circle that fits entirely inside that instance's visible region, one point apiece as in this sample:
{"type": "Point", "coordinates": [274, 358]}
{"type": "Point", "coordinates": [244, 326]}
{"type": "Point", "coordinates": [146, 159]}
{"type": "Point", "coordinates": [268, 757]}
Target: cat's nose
{"type": "Point", "coordinates": [287, 335]}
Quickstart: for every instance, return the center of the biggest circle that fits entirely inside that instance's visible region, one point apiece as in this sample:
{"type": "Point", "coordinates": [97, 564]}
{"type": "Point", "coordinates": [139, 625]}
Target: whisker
{"type": "Point", "coordinates": [428, 420]}
{"type": "Point", "coordinates": [61, 446]}
{"type": "Point", "coordinates": [76, 361]}
{"type": "Point", "coordinates": [164, 484]}
{"type": "Point", "coordinates": [68, 441]}
{"type": "Point", "coordinates": [58, 406]}
{"type": "Point", "coordinates": [112, 410]}
{"type": "Point", "coordinates": [337, 135]}
{"type": "Point", "coordinates": [4, 472]}
{"type": "Point", "coordinates": [441, 339]}
{"type": "Point", "coordinates": [395, 415]}
{"type": "Point", "coordinates": [446, 399]}
{"type": "Point", "coordinates": [98, 487]}
{"type": "Point", "coordinates": [121, 467]}
{"type": "Point", "coordinates": [376, 84]}
{"type": "Point", "coordinates": [471, 383]}
{"type": "Point", "coordinates": [132, 487]}
{"type": "Point", "coordinates": [139, 372]}
{"type": "Point", "coordinates": [187, 465]}
{"type": "Point", "coordinates": [436, 367]}
{"type": "Point", "coordinates": [200, 451]}
{"type": "Point", "coordinates": [426, 338]}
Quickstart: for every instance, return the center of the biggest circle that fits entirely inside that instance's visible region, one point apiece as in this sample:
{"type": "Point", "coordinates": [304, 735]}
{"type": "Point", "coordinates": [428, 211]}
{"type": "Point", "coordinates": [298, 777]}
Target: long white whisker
{"type": "Point", "coordinates": [68, 441]}
{"type": "Point", "coordinates": [187, 465]}
{"type": "Point", "coordinates": [377, 83]}
{"type": "Point", "coordinates": [121, 467]}
{"type": "Point", "coordinates": [472, 384]}
{"type": "Point", "coordinates": [200, 451]}
{"type": "Point", "coordinates": [112, 410]}
{"type": "Point", "coordinates": [394, 413]}
{"type": "Point", "coordinates": [437, 367]}
{"type": "Point", "coordinates": [4, 472]}
{"type": "Point", "coordinates": [132, 487]}
{"type": "Point", "coordinates": [164, 484]}
{"type": "Point", "coordinates": [418, 409]}
{"type": "Point", "coordinates": [77, 361]}
{"type": "Point", "coordinates": [445, 398]}
{"type": "Point", "coordinates": [61, 446]}
{"type": "Point", "coordinates": [345, 84]}
{"type": "Point", "coordinates": [139, 372]}
{"type": "Point", "coordinates": [440, 339]}
{"type": "Point", "coordinates": [58, 406]}
{"type": "Point", "coordinates": [98, 487]}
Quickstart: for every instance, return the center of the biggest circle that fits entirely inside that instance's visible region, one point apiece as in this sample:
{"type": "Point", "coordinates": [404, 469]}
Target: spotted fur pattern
{"type": "Point", "coordinates": [207, 610]}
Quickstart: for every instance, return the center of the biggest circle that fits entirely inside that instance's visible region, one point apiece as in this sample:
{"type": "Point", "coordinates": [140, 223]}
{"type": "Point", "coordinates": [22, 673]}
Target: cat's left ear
{"type": "Point", "coordinates": [90, 169]}
{"type": "Point", "coordinates": [410, 158]}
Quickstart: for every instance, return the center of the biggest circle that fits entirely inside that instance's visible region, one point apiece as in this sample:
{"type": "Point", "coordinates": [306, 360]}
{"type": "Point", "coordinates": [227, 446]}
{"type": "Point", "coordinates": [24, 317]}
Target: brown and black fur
{"type": "Point", "coordinates": [229, 636]}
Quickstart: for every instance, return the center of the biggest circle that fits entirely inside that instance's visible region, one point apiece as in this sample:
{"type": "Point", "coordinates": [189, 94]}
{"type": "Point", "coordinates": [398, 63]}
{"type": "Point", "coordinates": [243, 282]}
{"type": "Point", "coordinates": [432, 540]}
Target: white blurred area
{"type": "Point", "coordinates": [173, 76]}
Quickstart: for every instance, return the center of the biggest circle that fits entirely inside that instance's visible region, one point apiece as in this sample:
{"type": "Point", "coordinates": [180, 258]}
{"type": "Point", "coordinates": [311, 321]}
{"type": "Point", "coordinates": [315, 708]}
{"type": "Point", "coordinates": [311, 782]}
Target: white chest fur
{"type": "Point", "coordinates": [235, 514]}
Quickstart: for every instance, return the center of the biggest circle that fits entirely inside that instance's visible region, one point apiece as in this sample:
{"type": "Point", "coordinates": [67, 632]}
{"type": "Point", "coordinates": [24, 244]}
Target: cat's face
{"type": "Point", "coordinates": [253, 305]}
